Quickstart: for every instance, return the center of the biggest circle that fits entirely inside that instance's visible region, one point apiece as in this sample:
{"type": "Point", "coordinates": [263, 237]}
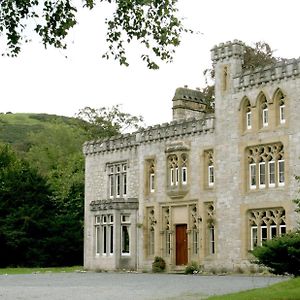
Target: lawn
{"type": "Point", "coordinates": [10, 271]}
{"type": "Point", "coordinates": [287, 290]}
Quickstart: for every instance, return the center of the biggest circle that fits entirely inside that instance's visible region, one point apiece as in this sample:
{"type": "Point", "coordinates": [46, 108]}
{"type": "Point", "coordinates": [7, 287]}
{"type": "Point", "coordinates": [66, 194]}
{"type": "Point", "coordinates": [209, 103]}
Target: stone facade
{"type": "Point", "coordinates": [206, 187]}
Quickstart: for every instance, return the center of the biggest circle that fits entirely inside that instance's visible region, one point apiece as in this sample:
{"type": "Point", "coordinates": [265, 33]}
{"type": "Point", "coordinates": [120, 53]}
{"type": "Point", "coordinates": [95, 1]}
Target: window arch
{"type": "Point", "coordinates": [247, 117]}
{"type": "Point", "coordinates": [263, 111]}
{"type": "Point", "coordinates": [280, 107]}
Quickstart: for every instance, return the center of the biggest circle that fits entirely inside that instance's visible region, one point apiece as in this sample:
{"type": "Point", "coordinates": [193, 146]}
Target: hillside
{"type": "Point", "coordinates": [16, 128]}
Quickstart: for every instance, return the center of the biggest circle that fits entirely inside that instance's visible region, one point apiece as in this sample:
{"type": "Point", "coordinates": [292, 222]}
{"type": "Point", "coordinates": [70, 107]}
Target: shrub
{"type": "Point", "coordinates": [159, 265]}
{"type": "Point", "coordinates": [281, 255]}
{"type": "Point", "coordinates": [192, 268]}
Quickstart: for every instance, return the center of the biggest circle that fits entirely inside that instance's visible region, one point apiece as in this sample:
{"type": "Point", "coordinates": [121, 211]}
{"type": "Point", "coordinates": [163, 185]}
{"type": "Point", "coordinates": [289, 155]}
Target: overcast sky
{"type": "Point", "coordinates": [44, 81]}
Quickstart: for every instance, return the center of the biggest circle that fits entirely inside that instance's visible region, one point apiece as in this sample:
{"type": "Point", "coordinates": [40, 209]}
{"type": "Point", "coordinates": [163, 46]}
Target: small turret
{"type": "Point", "coordinates": [188, 103]}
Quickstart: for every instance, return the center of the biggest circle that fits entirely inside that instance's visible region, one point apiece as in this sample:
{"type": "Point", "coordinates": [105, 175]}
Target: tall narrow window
{"type": "Point", "coordinates": [118, 181]}
{"type": "Point", "coordinates": [248, 120]}
{"type": "Point", "coordinates": [281, 172]}
{"type": "Point", "coordinates": [254, 237]}
{"type": "Point", "coordinates": [265, 117]}
{"type": "Point", "coordinates": [262, 175]}
{"type": "Point", "coordinates": [168, 243]}
{"type": "Point", "coordinates": [124, 176]}
{"type": "Point", "coordinates": [176, 176]}
{"type": "Point", "coordinates": [97, 235]}
{"type": "Point", "coordinates": [252, 172]}
{"type": "Point", "coordinates": [125, 235]}
{"type": "Point", "coordinates": [184, 175]}
{"type": "Point", "coordinates": [111, 234]}
{"type": "Point", "coordinates": [264, 233]}
{"type": "Point", "coordinates": [211, 176]}
{"type": "Point", "coordinates": [271, 173]}
{"type": "Point", "coordinates": [151, 176]}
{"type": "Point", "coordinates": [273, 231]}
{"type": "Point", "coordinates": [212, 239]}
{"type": "Point", "coordinates": [111, 182]}
{"type": "Point", "coordinates": [282, 113]}
{"type": "Point", "coordinates": [282, 230]}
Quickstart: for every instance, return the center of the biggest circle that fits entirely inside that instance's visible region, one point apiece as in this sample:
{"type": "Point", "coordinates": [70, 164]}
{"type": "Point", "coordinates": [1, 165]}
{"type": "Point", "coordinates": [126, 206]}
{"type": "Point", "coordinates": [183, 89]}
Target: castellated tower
{"type": "Point", "coordinates": [227, 59]}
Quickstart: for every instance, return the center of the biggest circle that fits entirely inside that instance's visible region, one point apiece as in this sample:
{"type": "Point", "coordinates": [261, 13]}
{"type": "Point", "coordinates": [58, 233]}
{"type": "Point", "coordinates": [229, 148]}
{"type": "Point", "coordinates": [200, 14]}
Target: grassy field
{"type": "Point", "coordinates": [9, 271]}
{"type": "Point", "coordinates": [287, 290]}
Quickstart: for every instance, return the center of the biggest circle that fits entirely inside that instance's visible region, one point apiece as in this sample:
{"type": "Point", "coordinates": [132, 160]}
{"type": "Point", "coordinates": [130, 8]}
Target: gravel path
{"type": "Point", "coordinates": [125, 286]}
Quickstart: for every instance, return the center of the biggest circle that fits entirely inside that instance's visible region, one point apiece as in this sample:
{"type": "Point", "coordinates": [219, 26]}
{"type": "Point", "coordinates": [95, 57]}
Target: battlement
{"type": "Point", "coordinates": [227, 50]}
{"type": "Point", "coordinates": [161, 132]}
{"type": "Point", "coordinates": [276, 72]}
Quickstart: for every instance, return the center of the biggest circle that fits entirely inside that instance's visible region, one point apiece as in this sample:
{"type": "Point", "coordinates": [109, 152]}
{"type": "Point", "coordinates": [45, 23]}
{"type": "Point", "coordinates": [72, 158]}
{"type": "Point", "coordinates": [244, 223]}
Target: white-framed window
{"type": "Point", "coordinates": [125, 234]}
{"type": "Point", "coordinates": [273, 231]}
{"type": "Point", "coordinates": [172, 177]}
{"type": "Point", "coordinates": [252, 176]}
{"type": "Point", "coordinates": [211, 176]}
{"type": "Point", "coordinates": [262, 175]}
{"type": "Point", "coordinates": [265, 117]}
{"type": "Point", "coordinates": [281, 172]}
{"type": "Point", "coordinates": [97, 235]}
{"type": "Point", "coordinates": [282, 114]}
{"type": "Point", "coordinates": [282, 230]}
{"type": "Point", "coordinates": [104, 234]}
{"type": "Point", "coordinates": [212, 245]}
{"type": "Point", "coordinates": [263, 234]}
{"type": "Point", "coordinates": [254, 237]}
{"type": "Point", "coordinates": [152, 182]}
{"type": "Point", "coordinates": [117, 180]}
{"type": "Point", "coordinates": [271, 173]}
{"type": "Point", "coordinates": [151, 241]}
{"type": "Point", "coordinates": [184, 175]}
{"type": "Point", "coordinates": [176, 176]}
{"type": "Point", "coordinates": [248, 120]}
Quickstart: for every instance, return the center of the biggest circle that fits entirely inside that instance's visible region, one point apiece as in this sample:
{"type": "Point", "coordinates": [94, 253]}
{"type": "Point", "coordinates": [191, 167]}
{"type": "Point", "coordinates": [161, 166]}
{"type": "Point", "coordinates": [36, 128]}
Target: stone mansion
{"type": "Point", "coordinates": [206, 187]}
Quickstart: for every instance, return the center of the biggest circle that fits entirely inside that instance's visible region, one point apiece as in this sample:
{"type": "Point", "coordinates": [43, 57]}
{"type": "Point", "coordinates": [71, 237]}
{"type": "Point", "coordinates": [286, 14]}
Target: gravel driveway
{"type": "Point", "coordinates": [125, 286]}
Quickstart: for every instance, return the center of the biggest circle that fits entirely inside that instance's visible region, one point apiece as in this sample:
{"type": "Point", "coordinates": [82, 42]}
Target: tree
{"type": "Point", "coordinates": [25, 207]}
{"type": "Point", "coordinates": [281, 255]}
{"type": "Point", "coordinates": [153, 23]}
{"type": "Point", "coordinates": [106, 122]}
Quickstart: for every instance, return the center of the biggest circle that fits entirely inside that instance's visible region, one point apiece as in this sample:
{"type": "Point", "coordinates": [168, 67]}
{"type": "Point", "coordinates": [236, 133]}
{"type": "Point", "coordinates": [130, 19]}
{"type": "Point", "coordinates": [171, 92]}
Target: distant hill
{"type": "Point", "coordinates": [15, 128]}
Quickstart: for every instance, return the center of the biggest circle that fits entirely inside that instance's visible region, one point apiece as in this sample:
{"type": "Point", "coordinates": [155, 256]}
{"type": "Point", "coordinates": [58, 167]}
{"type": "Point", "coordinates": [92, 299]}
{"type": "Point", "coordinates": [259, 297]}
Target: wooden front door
{"type": "Point", "coordinates": [181, 245]}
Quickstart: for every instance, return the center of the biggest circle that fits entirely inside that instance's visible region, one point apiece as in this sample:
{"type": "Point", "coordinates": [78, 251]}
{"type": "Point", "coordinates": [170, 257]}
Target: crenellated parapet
{"type": "Point", "coordinates": [162, 132]}
{"type": "Point", "coordinates": [274, 73]}
{"type": "Point", "coordinates": [227, 50]}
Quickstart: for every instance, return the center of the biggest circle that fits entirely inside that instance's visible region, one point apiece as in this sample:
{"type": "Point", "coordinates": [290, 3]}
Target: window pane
{"type": "Point", "coordinates": [125, 239]}
{"type": "Point", "coordinates": [111, 185]}
{"type": "Point", "coordinates": [252, 176]}
{"type": "Point", "coordinates": [265, 117]}
{"type": "Point", "coordinates": [271, 173]}
{"type": "Point", "coordinates": [254, 237]}
{"type": "Point", "coordinates": [273, 231]}
{"type": "Point", "coordinates": [211, 177]}
{"type": "Point", "coordinates": [172, 176]}
{"type": "Point", "coordinates": [248, 120]}
{"type": "Point", "coordinates": [282, 229]}
{"type": "Point", "coordinates": [184, 175]}
{"type": "Point", "coordinates": [152, 177]}
{"type": "Point", "coordinates": [104, 239]}
{"type": "Point", "coordinates": [262, 175]}
{"type": "Point", "coordinates": [124, 184]}
{"type": "Point", "coordinates": [176, 175]}
{"type": "Point", "coordinates": [97, 240]}
{"type": "Point", "coordinates": [281, 172]}
{"type": "Point", "coordinates": [111, 228]}
{"type": "Point", "coordinates": [118, 179]}
{"type": "Point", "coordinates": [282, 113]}
{"type": "Point", "coordinates": [264, 233]}
{"type": "Point", "coordinates": [212, 239]}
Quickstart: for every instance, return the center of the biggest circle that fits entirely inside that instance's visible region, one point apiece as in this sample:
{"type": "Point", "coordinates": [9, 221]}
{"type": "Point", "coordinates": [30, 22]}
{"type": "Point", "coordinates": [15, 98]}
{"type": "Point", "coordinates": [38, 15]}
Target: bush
{"type": "Point", "coordinates": [159, 265]}
{"type": "Point", "coordinates": [192, 268]}
{"type": "Point", "coordinates": [281, 255]}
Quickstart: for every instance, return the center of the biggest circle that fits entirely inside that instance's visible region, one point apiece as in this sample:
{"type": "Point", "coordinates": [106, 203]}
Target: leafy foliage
{"type": "Point", "coordinates": [107, 122]}
{"type": "Point", "coordinates": [152, 22]}
{"type": "Point", "coordinates": [25, 207]}
{"type": "Point", "coordinates": [281, 255]}
{"type": "Point", "coordinates": [159, 265]}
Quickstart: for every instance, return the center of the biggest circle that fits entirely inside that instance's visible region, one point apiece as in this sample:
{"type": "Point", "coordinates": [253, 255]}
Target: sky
{"type": "Point", "coordinates": [45, 81]}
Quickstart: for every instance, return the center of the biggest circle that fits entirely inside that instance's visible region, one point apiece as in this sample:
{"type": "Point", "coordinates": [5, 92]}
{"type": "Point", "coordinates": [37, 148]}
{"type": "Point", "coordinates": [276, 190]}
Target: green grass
{"type": "Point", "coordinates": [287, 290]}
{"type": "Point", "coordinates": [11, 271]}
